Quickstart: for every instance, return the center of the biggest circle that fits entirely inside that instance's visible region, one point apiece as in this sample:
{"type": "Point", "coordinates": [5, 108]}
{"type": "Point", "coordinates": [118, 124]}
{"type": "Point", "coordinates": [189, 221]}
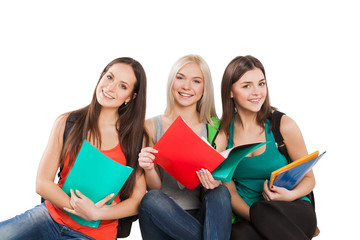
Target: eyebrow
{"type": "Point", "coordinates": [261, 80]}
{"type": "Point", "coordinates": [184, 75]}
{"type": "Point", "coordinates": [124, 82]}
{"type": "Point", "coordinates": [120, 80]}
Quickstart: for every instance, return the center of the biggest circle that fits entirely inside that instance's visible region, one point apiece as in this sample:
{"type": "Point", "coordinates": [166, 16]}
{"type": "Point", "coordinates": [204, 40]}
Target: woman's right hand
{"type": "Point", "coordinates": [146, 158]}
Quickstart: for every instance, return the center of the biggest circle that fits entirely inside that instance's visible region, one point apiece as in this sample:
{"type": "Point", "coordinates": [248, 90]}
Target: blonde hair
{"type": "Point", "coordinates": [206, 105]}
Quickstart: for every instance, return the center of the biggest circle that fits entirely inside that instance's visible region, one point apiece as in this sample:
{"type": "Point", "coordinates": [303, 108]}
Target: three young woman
{"type": "Point", "coordinates": [263, 212]}
{"type": "Point", "coordinates": [114, 123]}
{"type": "Point", "coordinates": [169, 210]}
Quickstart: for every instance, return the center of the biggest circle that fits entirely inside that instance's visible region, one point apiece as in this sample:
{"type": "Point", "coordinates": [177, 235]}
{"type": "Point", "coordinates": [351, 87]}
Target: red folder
{"type": "Point", "coordinates": [182, 152]}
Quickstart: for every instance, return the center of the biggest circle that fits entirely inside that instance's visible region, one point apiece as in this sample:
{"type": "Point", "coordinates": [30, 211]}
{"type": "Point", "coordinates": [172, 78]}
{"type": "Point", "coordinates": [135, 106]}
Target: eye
{"type": "Point", "coordinates": [179, 77]}
{"type": "Point", "coordinates": [123, 86]}
{"type": "Point", "coordinates": [262, 84]}
{"type": "Point", "coordinates": [246, 86]}
{"type": "Point", "coordinates": [109, 77]}
{"type": "Point", "coordinates": [197, 81]}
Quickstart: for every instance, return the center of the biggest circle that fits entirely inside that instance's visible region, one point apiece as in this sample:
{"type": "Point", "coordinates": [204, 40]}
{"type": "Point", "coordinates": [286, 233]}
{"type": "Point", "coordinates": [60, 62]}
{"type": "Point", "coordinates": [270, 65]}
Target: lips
{"type": "Point", "coordinates": [185, 94]}
{"type": "Point", "coordinates": [107, 95]}
{"type": "Point", "coordinates": [255, 100]}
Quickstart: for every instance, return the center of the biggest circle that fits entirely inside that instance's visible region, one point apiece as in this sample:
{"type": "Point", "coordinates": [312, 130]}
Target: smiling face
{"type": "Point", "coordinates": [116, 86]}
{"type": "Point", "coordinates": [249, 92]}
{"type": "Point", "coordinates": [188, 85]}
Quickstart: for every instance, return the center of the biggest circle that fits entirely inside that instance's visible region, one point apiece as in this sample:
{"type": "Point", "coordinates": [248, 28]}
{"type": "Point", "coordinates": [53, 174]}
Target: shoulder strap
{"type": "Point", "coordinates": [276, 119]}
{"type": "Point", "coordinates": [213, 130]}
{"type": "Point", "coordinates": [70, 121]}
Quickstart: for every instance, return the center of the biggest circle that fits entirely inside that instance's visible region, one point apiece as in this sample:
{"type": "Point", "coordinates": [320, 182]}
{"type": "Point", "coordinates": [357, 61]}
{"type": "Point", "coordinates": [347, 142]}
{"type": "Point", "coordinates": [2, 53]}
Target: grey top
{"type": "Point", "coordinates": [186, 198]}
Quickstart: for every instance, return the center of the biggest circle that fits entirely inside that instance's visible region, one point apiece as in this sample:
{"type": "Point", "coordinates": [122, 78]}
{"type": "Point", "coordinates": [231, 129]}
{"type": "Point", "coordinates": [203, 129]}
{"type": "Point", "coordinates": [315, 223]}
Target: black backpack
{"type": "Point", "coordinates": [124, 224]}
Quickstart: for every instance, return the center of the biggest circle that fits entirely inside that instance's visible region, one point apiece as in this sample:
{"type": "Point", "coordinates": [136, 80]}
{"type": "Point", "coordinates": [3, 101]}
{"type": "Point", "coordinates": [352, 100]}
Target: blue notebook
{"type": "Point", "coordinates": [290, 175]}
{"type": "Point", "coordinates": [96, 176]}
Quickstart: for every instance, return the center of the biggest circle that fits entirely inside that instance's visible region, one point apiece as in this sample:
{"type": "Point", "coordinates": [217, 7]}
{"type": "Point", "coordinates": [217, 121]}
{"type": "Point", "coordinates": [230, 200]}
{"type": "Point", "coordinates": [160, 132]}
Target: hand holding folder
{"type": "Point", "coordinates": [95, 176]}
{"type": "Point", "coordinates": [181, 152]}
{"type": "Point", "coordinates": [290, 175]}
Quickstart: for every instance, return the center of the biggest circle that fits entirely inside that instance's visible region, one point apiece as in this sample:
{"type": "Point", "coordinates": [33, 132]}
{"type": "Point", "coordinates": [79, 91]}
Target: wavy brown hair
{"type": "Point", "coordinates": [130, 124]}
{"type": "Point", "coordinates": [233, 72]}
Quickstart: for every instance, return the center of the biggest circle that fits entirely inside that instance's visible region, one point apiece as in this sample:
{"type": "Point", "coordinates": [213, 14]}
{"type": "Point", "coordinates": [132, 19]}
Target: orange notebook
{"type": "Point", "coordinates": [182, 152]}
{"type": "Point", "coordinates": [290, 175]}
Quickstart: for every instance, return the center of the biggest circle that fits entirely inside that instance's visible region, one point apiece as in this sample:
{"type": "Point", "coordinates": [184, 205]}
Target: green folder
{"type": "Point", "coordinates": [96, 176]}
{"type": "Point", "coordinates": [225, 171]}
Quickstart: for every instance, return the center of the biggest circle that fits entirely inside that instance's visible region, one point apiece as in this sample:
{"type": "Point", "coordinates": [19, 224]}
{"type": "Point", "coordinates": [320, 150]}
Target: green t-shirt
{"type": "Point", "coordinates": [250, 174]}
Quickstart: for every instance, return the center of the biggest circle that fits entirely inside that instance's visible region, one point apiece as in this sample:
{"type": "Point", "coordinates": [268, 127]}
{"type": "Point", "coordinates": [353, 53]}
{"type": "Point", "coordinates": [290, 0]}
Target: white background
{"type": "Point", "coordinates": [52, 53]}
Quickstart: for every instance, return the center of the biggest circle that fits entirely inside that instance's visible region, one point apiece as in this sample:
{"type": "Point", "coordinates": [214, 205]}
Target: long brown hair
{"type": "Point", "coordinates": [130, 125]}
{"type": "Point", "coordinates": [233, 72]}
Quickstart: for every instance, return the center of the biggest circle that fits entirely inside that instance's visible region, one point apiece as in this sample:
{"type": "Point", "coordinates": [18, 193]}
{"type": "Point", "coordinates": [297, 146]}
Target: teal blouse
{"type": "Point", "coordinates": [250, 174]}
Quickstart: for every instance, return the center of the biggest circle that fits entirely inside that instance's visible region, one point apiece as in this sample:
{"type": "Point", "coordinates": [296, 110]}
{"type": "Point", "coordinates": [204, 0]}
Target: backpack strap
{"type": "Point", "coordinates": [213, 131]}
{"type": "Point", "coordinates": [279, 140]}
{"type": "Point", "coordinates": [70, 122]}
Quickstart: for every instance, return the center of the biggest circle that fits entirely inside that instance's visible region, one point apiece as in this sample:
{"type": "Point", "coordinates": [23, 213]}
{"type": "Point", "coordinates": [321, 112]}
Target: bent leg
{"type": "Point", "coordinates": [216, 213]}
{"type": "Point", "coordinates": [243, 230]}
{"type": "Point", "coordinates": [34, 224]}
{"type": "Point", "coordinates": [284, 220]}
{"type": "Point", "coordinates": [161, 218]}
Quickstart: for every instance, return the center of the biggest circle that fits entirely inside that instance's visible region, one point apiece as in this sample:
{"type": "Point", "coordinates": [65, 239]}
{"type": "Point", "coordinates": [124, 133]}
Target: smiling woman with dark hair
{"type": "Point", "coordinates": [262, 212]}
{"type": "Point", "coordinates": [114, 123]}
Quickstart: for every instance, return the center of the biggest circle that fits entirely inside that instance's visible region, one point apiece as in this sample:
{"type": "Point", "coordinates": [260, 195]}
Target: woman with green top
{"type": "Point", "coordinates": [262, 212]}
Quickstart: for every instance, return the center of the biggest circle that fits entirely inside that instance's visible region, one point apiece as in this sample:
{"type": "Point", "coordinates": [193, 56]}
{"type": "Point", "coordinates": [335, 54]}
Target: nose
{"type": "Point", "coordinates": [111, 85]}
{"type": "Point", "coordinates": [255, 90]}
{"type": "Point", "coordinates": [186, 84]}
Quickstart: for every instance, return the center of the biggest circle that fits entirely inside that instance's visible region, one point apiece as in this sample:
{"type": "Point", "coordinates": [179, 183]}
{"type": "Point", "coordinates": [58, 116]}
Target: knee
{"type": "Point", "coordinates": [219, 197]}
{"type": "Point", "coordinates": [150, 200]}
{"type": "Point", "coordinates": [262, 210]}
{"type": "Point", "coordinates": [221, 193]}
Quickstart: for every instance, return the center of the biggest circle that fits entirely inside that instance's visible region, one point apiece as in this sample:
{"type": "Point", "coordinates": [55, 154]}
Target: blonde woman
{"type": "Point", "coordinates": [169, 210]}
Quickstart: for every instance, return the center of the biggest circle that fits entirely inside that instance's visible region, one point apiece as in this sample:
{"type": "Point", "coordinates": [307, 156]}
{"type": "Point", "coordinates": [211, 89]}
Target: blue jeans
{"type": "Point", "coordinates": [161, 218]}
{"type": "Point", "coordinates": [36, 224]}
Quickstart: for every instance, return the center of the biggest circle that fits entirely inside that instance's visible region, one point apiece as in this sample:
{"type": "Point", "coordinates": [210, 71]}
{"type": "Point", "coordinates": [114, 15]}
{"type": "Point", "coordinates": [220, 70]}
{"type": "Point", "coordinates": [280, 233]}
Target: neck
{"type": "Point", "coordinates": [248, 119]}
{"type": "Point", "coordinates": [189, 114]}
{"type": "Point", "coordinates": [108, 116]}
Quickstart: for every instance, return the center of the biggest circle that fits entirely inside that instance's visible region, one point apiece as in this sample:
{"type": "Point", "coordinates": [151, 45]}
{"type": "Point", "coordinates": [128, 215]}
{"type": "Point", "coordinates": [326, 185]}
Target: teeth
{"type": "Point", "coordinates": [255, 100]}
{"type": "Point", "coordinates": [107, 95]}
{"type": "Point", "coordinates": [185, 95]}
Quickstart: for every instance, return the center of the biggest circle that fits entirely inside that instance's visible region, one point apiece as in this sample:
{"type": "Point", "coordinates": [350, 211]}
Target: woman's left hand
{"type": "Point", "coordinates": [276, 193]}
{"type": "Point", "coordinates": [85, 208]}
{"type": "Point", "coordinates": [207, 180]}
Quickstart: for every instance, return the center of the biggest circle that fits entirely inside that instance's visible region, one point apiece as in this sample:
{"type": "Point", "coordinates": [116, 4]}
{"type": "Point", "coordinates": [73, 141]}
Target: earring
{"type": "Point", "coordinates": [125, 103]}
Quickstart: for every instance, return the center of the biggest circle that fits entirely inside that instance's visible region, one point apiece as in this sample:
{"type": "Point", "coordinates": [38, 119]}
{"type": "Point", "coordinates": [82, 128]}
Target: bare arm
{"type": "Point", "coordinates": [49, 165]}
{"type": "Point", "coordinates": [146, 158]}
{"type": "Point", "coordinates": [296, 148]}
{"type": "Point", "coordinates": [238, 205]}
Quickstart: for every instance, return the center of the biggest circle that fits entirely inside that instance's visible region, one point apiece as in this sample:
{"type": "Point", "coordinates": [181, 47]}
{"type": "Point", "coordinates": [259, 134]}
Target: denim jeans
{"type": "Point", "coordinates": [36, 224]}
{"type": "Point", "coordinates": [161, 218]}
